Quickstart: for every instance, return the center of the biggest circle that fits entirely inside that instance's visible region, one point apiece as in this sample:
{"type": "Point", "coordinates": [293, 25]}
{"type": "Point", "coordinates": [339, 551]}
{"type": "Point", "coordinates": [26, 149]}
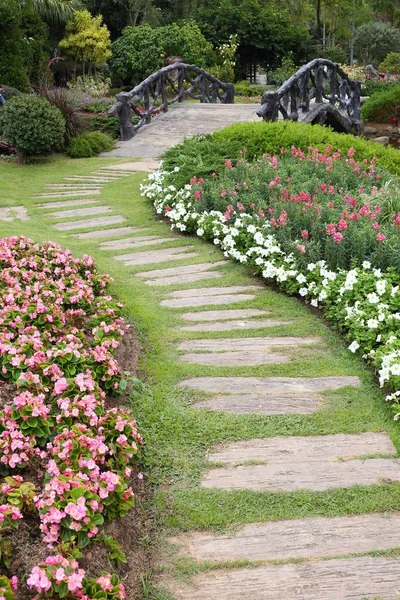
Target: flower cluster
{"type": "Point", "coordinates": [364, 301]}
{"type": "Point", "coordinates": [59, 333]}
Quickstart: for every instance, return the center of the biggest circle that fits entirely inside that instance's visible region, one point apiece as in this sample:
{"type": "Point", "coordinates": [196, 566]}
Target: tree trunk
{"type": "Point", "coordinates": [319, 23]}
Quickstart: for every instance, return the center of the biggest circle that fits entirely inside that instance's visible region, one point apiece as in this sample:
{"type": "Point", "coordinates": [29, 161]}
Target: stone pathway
{"type": "Point", "coordinates": [230, 337]}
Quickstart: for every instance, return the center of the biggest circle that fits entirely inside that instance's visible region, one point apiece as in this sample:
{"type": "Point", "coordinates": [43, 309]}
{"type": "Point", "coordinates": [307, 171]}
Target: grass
{"type": "Point", "coordinates": [177, 436]}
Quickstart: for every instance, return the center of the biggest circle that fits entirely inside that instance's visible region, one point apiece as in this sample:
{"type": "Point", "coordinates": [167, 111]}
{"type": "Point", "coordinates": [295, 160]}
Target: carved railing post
{"type": "Point", "coordinates": [123, 110]}
{"type": "Point", "coordinates": [181, 79]}
{"type": "Point", "coordinates": [164, 95]}
{"type": "Point", "coordinates": [269, 107]}
{"type": "Point", "coordinates": [229, 94]}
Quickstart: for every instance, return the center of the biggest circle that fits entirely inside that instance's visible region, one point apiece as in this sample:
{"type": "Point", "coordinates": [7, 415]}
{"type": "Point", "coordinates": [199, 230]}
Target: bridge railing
{"type": "Point", "coordinates": [320, 80]}
{"type": "Point", "coordinates": [165, 87]}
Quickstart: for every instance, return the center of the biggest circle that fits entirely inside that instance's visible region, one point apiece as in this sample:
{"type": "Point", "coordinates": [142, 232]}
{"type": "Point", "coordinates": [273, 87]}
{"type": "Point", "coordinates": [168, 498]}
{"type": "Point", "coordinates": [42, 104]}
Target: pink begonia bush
{"type": "Point", "coordinates": [59, 333]}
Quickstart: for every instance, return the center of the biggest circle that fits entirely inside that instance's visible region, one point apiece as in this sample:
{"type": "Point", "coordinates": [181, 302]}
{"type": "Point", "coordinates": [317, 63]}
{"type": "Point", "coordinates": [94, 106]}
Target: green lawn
{"type": "Point", "coordinates": [176, 435]}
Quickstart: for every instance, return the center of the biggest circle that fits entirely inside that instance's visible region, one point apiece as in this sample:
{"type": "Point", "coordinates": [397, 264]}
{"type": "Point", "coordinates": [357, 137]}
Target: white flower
{"type": "Point", "coordinates": [372, 323]}
{"type": "Point", "coordinates": [300, 278]}
{"type": "Point", "coordinates": [373, 298]}
{"type": "Point", "coordinates": [366, 264]}
{"type": "Point", "coordinates": [200, 232]}
{"type": "Point", "coordinates": [381, 286]}
{"type": "Point", "coordinates": [354, 346]}
{"type": "Point", "coordinates": [303, 291]}
{"type": "Point", "coordinates": [176, 169]}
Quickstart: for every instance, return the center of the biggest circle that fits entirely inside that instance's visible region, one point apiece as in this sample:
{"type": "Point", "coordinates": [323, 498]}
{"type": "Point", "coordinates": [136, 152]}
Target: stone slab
{"type": "Point", "coordinates": [255, 344]}
{"type": "Point", "coordinates": [290, 477]}
{"type": "Point", "coordinates": [185, 269]}
{"type": "Point", "coordinates": [80, 212]}
{"type": "Point", "coordinates": [67, 203]}
{"type": "Point", "coordinates": [115, 175]}
{"type": "Point", "coordinates": [214, 291]}
{"type": "Point", "coordinates": [219, 315]}
{"type": "Point", "coordinates": [232, 325]}
{"type": "Point", "coordinates": [184, 278]}
{"type": "Point", "coordinates": [235, 359]}
{"type": "Point", "coordinates": [86, 223]}
{"type": "Point", "coordinates": [145, 165]}
{"type": "Point", "coordinates": [268, 385]}
{"type": "Point", "coordinates": [154, 255]}
{"type": "Point", "coordinates": [362, 578]}
{"type": "Point", "coordinates": [317, 448]}
{"type": "Point", "coordinates": [73, 186]}
{"type": "Point", "coordinates": [206, 300]}
{"type": "Point", "coordinates": [68, 194]}
{"type": "Point", "coordinates": [105, 233]}
{"type": "Point", "coordinates": [11, 213]}
{"type": "Point", "coordinates": [274, 404]}
{"type": "Point", "coordinates": [90, 179]}
{"type": "Point", "coordinates": [136, 242]}
{"type": "Point", "coordinates": [299, 538]}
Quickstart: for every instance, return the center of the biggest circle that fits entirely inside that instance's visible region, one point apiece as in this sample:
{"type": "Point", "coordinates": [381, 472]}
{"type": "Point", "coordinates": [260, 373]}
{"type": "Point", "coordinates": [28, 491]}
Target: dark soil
{"type": "Point", "coordinates": [131, 532]}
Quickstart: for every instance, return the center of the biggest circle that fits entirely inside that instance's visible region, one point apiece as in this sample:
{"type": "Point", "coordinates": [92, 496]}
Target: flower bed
{"type": "Point", "coordinates": [319, 225]}
{"type": "Point", "coordinates": [60, 331]}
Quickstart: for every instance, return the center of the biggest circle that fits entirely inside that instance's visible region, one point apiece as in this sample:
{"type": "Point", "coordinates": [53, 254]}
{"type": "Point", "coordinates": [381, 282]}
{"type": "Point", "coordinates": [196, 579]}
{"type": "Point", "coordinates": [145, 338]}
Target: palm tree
{"type": "Point", "coordinates": [58, 11]}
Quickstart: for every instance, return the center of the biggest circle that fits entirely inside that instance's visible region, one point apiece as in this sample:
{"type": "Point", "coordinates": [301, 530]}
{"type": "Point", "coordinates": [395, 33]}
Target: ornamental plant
{"type": "Point", "coordinates": [32, 125]}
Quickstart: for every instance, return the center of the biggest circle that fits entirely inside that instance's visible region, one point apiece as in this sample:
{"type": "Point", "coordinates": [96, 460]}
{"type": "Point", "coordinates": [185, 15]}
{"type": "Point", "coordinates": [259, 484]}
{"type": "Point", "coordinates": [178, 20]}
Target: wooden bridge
{"type": "Point", "coordinates": [319, 93]}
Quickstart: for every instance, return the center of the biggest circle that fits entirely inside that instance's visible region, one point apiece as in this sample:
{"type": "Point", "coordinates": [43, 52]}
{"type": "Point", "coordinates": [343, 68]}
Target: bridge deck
{"type": "Point", "coordinates": [183, 120]}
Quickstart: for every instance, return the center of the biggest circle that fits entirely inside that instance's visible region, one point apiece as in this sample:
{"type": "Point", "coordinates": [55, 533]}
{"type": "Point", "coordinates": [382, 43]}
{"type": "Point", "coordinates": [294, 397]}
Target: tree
{"type": "Point", "coordinates": [142, 50]}
{"type": "Point", "coordinates": [374, 41]}
{"type": "Point", "coordinates": [87, 40]}
{"type": "Point", "coordinates": [59, 11]}
{"type": "Point", "coordinates": [119, 14]}
{"type": "Point", "coordinates": [12, 63]}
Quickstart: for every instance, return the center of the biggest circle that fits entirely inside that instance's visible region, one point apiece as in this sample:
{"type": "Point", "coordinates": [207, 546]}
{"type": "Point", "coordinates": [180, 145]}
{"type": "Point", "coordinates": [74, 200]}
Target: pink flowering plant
{"type": "Point", "coordinates": [59, 577]}
{"type": "Point", "coordinates": [59, 334]}
{"type": "Point", "coordinates": [7, 587]}
{"type": "Point", "coordinates": [319, 225]}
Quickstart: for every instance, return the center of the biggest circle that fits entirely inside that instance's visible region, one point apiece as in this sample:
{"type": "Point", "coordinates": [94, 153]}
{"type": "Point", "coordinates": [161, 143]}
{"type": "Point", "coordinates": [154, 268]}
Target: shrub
{"type": "Point", "coordinates": [89, 144]}
{"type": "Point", "coordinates": [371, 86]}
{"type": "Point", "coordinates": [205, 154]}
{"type": "Point", "coordinates": [96, 86]}
{"type": "Point", "coordinates": [33, 125]}
{"type": "Point", "coordinates": [373, 41]}
{"type": "Point", "coordinates": [105, 123]}
{"type": "Point", "coordinates": [74, 122]}
{"type": "Point", "coordinates": [243, 88]}
{"type": "Point", "coordinates": [286, 70]}
{"type": "Point", "coordinates": [391, 64]}
{"type": "Point", "coordinates": [9, 92]}
{"type": "Point", "coordinates": [382, 106]}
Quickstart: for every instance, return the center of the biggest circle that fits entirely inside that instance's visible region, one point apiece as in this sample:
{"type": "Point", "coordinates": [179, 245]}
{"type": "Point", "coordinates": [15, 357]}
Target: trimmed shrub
{"type": "Point", "coordinates": [33, 126]}
{"type": "Point", "coordinates": [382, 106]}
{"type": "Point", "coordinates": [89, 144]}
{"type": "Point", "coordinates": [202, 155]}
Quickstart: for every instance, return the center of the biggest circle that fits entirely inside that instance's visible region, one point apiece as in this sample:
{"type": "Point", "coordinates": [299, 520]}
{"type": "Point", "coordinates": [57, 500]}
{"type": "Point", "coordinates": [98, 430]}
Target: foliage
{"type": "Point", "coordinates": [96, 86]}
{"type": "Point", "coordinates": [33, 125]}
{"type": "Point", "coordinates": [114, 548]}
{"type": "Point", "coordinates": [7, 587]}
{"type": "Point", "coordinates": [260, 224]}
{"type": "Point", "coordinates": [382, 106]}
{"type": "Point", "coordinates": [87, 40]}
{"type": "Point", "coordinates": [105, 123]}
{"type": "Point", "coordinates": [74, 122]}
{"type": "Point", "coordinates": [355, 72]}
{"type": "Point", "coordinates": [8, 92]}
{"type": "Point", "coordinates": [52, 11]}
{"type": "Point", "coordinates": [12, 62]}
{"type": "Point", "coordinates": [282, 74]}
{"type": "Point", "coordinates": [391, 63]}
{"type": "Point", "coordinates": [370, 86]}
{"type": "Point", "coordinates": [206, 154]}
{"type": "Point", "coordinates": [6, 149]}
{"type": "Point", "coordinates": [142, 50]}
{"type": "Point", "coordinates": [227, 58]}
{"type": "Point", "coordinates": [89, 144]}
{"type": "Point", "coordinates": [35, 48]}
{"type": "Point", "coordinates": [19, 493]}
{"type": "Point", "coordinates": [243, 88]}
{"type": "Point", "coordinates": [373, 42]}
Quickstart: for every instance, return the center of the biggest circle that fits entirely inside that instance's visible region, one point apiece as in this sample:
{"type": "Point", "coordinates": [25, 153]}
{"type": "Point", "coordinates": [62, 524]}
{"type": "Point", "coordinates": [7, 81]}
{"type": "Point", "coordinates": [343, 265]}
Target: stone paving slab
{"type": "Point", "coordinates": [206, 300]}
{"type": "Point", "coordinates": [137, 242]}
{"type": "Point", "coordinates": [249, 344]}
{"type": "Point", "coordinates": [290, 477]}
{"type": "Point", "coordinates": [145, 165]}
{"type": "Point", "coordinates": [214, 291]}
{"type": "Point", "coordinates": [232, 325]}
{"type": "Point", "coordinates": [317, 448]}
{"type": "Point", "coordinates": [80, 212]}
{"type": "Point", "coordinates": [156, 256]}
{"type": "Point", "coordinates": [11, 213]}
{"type": "Point", "coordinates": [104, 233]}
{"type": "Point", "coordinates": [219, 315]}
{"type": "Point", "coordinates": [184, 269]}
{"type": "Point", "coordinates": [86, 223]}
{"type": "Point", "coordinates": [299, 538]}
{"type": "Point", "coordinates": [88, 178]}
{"type": "Point", "coordinates": [184, 278]}
{"type": "Point", "coordinates": [268, 385]}
{"type": "Point", "coordinates": [362, 578]}
{"type": "Point", "coordinates": [235, 359]}
{"type": "Point", "coordinates": [68, 194]}
{"type": "Point", "coordinates": [67, 203]}
{"type": "Point", "coordinates": [273, 404]}
{"type": "Point", "coordinates": [73, 186]}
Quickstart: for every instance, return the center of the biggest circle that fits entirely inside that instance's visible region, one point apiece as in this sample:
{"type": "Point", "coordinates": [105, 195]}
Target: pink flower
{"type": "Point", "coordinates": [380, 237]}
{"type": "Point", "coordinates": [301, 248]}
{"type": "Point", "coordinates": [60, 386]}
{"type": "Point", "coordinates": [337, 237]}
{"type": "Point", "coordinates": [304, 234]}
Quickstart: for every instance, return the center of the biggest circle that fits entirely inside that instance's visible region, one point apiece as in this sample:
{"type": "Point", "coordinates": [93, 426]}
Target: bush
{"type": "Point", "coordinates": [243, 88]}
{"type": "Point", "coordinates": [391, 64]}
{"type": "Point", "coordinates": [373, 41]}
{"type": "Point", "coordinates": [97, 86]}
{"type": "Point", "coordinates": [12, 63]}
{"type": "Point", "coordinates": [382, 106]}
{"type": "Point", "coordinates": [284, 72]}
{"type": "Point", "coordinates": [33, 125]}
{"type": "Point", "coordinates": [371, 86]}
{"type": "Point", "coordinates": [203, 155]}
{"type": "Point", "coordinates": [74, 122]}
{"type": "Point", "coordinates": [89, 144]}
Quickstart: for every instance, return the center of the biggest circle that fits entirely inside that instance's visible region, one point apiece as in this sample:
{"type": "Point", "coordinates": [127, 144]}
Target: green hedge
{"type": "Point", "coordinates": [382, 106]}
{"type": "Point", "coordinates": [203, 155]}
{"type": "Point", "coordinates": [89, 144]}
{"type": "Point", "coordinates": [243, 88]}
